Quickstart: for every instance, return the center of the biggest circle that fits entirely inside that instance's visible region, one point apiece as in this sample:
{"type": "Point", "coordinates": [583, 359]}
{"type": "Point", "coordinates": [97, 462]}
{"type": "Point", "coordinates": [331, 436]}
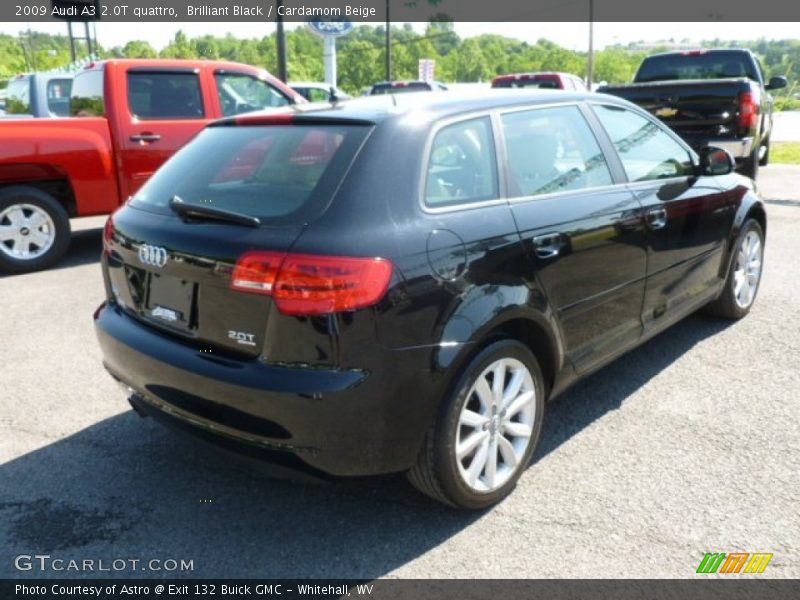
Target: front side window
{"type": "Point", "coordinates": [647, 151]}
{"type": "Point", "coordinates": [240, 93]}
{"type": "Point", "coordinates": [462, 167]}
{"type": "Point", "coordinates": [552, 150]}
{"type": "Point", "coordinates": [164, 95]}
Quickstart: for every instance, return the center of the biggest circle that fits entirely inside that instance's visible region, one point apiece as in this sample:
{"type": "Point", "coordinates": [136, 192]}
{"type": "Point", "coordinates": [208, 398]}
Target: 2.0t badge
{"type": "Point", "coordinates": [154, 256]}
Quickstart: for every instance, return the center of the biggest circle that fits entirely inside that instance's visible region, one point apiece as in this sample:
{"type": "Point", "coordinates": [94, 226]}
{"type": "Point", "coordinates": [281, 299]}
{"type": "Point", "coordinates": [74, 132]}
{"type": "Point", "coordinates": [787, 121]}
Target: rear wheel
{"type": "Point", "coordinates": [34, 230]}
{"type": "Point", "coordinates": [487, 430]}
{"type": "Point", "coordinates": [744, 274]}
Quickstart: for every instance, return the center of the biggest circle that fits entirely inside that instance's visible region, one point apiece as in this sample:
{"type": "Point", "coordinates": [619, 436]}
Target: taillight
{"type": "Point", "coordinates": [108, 234]}
{"type": "Point", "coordinates": [305, 284]}
{"type": "Point", "coordinates": [748, 110]}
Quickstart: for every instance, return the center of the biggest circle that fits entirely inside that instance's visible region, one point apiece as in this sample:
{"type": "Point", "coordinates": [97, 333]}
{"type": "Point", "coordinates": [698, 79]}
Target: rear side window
{"type": "Point", "coordinates": [164, 95]}
{"type": "Point", "coordinates": [240, 93]}
{"type": "Point", "coordinates": [543, 84]}
{"type": "Point", "coordinates": [462, 166]}
{"type": "Point", "coordinates": [646, 151]}
{"type": "Point", "coordinates": [278, 173]}
{"type": "Point", "coordinates": [58, 91]}
{"type": "Point", "coordinates": [552, 150]}
{"type": "Point", "coordinates": [86, 97]}
{"type": "Point", "coordinates": [18, 100]}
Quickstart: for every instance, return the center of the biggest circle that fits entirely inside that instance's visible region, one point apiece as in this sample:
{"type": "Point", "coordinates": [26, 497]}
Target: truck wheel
{"type": "Point", "coordinates": [487, 429]}
{"type": "Point", "coordinates": [34, 230]}
{"type": "Point", "coordinates": [764, 161]}
{"type": "Point", "coordinates": [749, 165]}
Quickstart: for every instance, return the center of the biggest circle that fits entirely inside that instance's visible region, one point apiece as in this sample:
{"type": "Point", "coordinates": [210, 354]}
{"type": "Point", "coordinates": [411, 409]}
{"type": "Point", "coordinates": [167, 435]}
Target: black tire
{"type": "Point", "coordinates": [749, 166]}
{"type": "Point", "coordinates": [436, 473]}
{"type": "Point", "coordinates": [763, 162]}
{"type": "Point", "coordinates": [726, 305]}
{"type": "Point", "coordinates": [31, 196]}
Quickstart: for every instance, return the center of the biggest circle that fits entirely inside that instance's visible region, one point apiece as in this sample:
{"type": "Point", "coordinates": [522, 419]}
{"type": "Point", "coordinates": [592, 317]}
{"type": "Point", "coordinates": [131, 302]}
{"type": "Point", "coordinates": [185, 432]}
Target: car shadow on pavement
{"type": "Point", "coordinates": [84, 248]}
{"type": "Point", "coordinates": [126, 488]}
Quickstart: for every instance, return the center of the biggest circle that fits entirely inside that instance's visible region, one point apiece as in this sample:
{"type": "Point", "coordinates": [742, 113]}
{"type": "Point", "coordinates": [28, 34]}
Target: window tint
{"type": "Point", "coordinates": [552, 150]}
{"type": "Point", "coordinates": [153, 95]}
{"type": "Point", "coordinates": [280, 174]}
{"type": "Point", "coordinates": [58, 91]}
{"type": "Point", "coordinates": [86, 97]}
{"type": "Point", "coordinates": [647, 152]}
{"type": "Point", "coordinates": [462, 164]}
{"type": "Point", "coordinates": [18, 100]}
{"type": "Point", "coordinates": [240, 93]}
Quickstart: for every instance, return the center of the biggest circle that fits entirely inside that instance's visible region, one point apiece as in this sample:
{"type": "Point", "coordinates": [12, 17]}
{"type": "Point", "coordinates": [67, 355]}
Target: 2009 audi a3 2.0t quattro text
{"type": "Point", "coordinates": [399, 284]}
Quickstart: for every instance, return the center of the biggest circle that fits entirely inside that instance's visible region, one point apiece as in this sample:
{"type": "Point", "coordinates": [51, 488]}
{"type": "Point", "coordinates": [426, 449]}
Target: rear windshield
{"type": "Point", "coordinates": [544, 84]}
{"type": "Point", "coordinates": [282, 174]}
{"type": "Point", "coordinates": [401, 88]}
{"type": "Point", "coordinates": [712, 65]}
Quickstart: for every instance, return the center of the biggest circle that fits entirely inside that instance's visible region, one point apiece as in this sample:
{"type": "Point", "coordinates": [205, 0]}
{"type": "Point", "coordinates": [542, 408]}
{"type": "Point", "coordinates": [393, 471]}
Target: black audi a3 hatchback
{"type": "Point", "coordinates": [400, 284]}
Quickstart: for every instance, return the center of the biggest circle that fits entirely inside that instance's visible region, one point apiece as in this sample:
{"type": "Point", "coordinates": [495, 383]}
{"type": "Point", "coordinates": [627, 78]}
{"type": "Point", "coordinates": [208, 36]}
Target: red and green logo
{"type": "Point", "coordinates": [735, 562]}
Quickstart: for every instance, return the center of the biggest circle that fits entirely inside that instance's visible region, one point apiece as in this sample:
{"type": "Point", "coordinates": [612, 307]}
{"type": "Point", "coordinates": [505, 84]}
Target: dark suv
{"type": "Point", "coordinates": [391, 285]}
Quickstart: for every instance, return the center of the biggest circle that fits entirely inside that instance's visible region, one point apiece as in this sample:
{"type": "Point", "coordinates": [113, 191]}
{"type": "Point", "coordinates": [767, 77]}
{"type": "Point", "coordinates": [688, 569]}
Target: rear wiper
{"type": "Point", "coordinates": [201, 211]}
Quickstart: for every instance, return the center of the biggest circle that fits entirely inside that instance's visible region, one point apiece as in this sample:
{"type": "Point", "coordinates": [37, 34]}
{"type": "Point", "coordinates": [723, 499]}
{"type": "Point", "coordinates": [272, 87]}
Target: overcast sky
{"type": "Point", "coordinates": [570, 35]}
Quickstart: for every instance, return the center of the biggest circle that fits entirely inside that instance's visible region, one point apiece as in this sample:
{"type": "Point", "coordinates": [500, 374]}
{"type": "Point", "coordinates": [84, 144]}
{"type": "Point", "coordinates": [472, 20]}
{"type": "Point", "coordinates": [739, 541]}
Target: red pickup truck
{"type": "Point", "coordinates": [128, 118]}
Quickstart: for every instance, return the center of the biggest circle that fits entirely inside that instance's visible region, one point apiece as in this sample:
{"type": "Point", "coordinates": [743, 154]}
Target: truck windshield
{"type": "Point", "coordinates": [702, 65]}
{"type": "Point", "coordinates": [280, 174]}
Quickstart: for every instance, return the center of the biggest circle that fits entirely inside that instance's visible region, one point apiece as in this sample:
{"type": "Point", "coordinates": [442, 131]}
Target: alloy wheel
{"type": "Point", "coordinates": [747, 272]}
{"type": "Point", "coordinates": [26, 231]}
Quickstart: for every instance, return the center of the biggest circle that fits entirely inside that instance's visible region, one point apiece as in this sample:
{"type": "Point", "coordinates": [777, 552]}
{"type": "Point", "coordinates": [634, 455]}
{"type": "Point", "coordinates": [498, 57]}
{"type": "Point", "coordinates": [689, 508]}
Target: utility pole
{"type": "Point", "coordinates": [388, 44]}
{"type": "Point", "coordinates": [590, 66]}
{"type": "Point", "coordinates": [283, 72]}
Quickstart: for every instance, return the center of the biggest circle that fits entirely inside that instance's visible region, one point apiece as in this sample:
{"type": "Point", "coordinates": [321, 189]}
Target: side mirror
{"type": "Point", "coordinates": [777, 83]}
{"type": "Point", "coordinates": [716, 161]}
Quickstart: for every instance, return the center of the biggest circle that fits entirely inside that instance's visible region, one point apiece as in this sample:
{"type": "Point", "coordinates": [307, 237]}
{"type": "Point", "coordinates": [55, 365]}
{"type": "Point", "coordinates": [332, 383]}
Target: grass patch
{"type": "Point", "coordinates": [787, 153]}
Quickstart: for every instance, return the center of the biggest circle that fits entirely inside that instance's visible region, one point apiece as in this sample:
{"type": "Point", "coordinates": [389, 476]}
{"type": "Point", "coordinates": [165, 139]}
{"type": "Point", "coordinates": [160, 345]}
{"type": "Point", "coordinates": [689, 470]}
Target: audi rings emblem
{"type": "Point", "coordinates": [155, 256]}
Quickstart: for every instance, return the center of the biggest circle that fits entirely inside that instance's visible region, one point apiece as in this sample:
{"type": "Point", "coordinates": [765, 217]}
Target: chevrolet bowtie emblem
{"type": "Point", "coordinates": [666, 112]}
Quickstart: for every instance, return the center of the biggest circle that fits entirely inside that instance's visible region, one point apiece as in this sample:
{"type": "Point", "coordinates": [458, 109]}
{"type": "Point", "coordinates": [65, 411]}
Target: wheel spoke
{"type": "Point", "coordinates": [738, 278]}
{"type": "Point", "coordinates": [514, 386]}
{"type": "Point", "coordinates": [22, 246]}
{"type": "Point", "coordinates": [491, 463]}
{"type": "Point", "coordinates": [36, 220]}
{"type": "Point", "coordinates": [498, 384]}
{"type": "Point", "coordinates": [478, 462]}
{"type": "Point", "coordinates": [516, 429]}
{"type": "Point", "coordinates": [507, 450]}
{"type": "Point", "coordinates": [484, 393]}
{"type": "Point", "coordinates": [40, 239]}
{"type": "Point", "coordinates": [15, 216]}
{"type": "Point", "coordinates": [472, 419]}
{"type": "Point", "coordinates": [472, 442]}
{"type": "Point", "coordinates": [519, 403]}
{"type": "Point", "coordinates": [8, 232]}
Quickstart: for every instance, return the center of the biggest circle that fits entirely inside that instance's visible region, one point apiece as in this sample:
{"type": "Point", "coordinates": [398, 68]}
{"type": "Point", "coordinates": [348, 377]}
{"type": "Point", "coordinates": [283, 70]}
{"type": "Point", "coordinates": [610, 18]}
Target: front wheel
{"type": "Point", "coordinates": [744, 274]}
{"type": "Point", "coordinates": [34, 230]}
{"type": "Point", "coordinates": [487, 429]}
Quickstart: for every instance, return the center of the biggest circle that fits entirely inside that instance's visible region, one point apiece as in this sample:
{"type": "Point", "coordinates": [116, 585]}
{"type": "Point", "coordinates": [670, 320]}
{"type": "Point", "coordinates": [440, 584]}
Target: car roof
{"type": "Point", "coordinates": [699, 51]}
{"type": "Point", "coordinates": [427, 106]}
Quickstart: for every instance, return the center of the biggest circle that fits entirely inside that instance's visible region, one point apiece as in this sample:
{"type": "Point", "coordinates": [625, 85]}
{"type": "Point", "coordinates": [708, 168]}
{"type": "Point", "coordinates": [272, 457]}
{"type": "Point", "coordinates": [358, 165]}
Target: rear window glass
{"type": "Point", "coordinates": [714, 65]}
{"type": "Point", "coordinates": [58, 91]}
{"type": "Point", "coordinates": [165, 95]}
{"type": "Point", "coordinates": [86, 98]}
{"type": "Point", "coordinates": [544, 84]}
{"type": "Point", "coordinates": [280, 173]}
{"type": "Point", "coordinates": [401, 88]}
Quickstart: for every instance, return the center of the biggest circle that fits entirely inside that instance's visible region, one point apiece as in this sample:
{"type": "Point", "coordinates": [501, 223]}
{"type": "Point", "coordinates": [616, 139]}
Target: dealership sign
{"type": "Point", "coordinates": [331, 28]}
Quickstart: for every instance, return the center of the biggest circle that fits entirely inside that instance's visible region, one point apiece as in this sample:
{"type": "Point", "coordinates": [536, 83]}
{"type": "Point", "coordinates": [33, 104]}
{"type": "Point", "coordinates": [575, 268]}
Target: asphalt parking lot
{"type": "Point", "coordinates": [689, 444]}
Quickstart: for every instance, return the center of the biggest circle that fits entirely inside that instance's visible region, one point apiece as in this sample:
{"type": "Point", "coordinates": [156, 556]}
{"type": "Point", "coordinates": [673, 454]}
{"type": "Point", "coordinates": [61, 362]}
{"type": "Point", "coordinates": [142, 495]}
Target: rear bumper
{"type": "Point", "coordinates": [338, 421]}
{"type": "Point", "coordinates": [738, 148]}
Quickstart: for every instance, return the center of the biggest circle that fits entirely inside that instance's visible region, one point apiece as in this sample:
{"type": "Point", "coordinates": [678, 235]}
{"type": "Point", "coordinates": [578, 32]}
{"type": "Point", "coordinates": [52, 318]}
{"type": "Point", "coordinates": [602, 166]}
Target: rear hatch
{"type": "Point", "coordinates": [171, 253]}
{"type": "Point", "coordinates": [702, 108]}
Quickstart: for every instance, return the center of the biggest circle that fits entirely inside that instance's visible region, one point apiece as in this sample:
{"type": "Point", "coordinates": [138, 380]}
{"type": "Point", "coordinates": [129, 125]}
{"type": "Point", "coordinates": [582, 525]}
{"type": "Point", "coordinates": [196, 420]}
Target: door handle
{"type": "Point", "coordinates": [547, 245]}
{"type": "Point", "coordinates": [145, 137]}
{"type": "Point", "coordinates": [656, 218]}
